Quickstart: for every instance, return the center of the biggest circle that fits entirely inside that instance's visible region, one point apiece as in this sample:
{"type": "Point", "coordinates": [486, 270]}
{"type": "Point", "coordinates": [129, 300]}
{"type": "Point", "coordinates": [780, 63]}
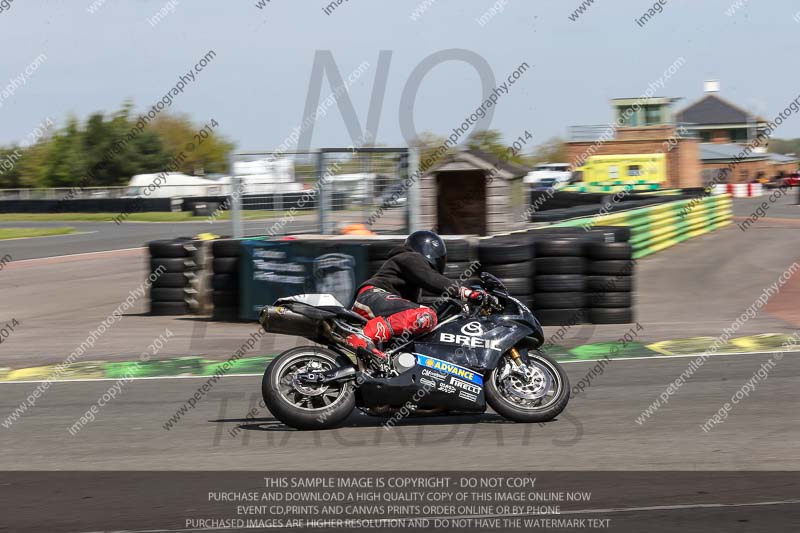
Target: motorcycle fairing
{"type": "Point", "coordinates": [424, 387]}
{"type": "Point", "coordinates": [475, 343]}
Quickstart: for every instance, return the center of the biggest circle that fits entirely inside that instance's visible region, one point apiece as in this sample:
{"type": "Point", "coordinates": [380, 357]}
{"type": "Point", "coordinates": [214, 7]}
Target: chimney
{"type": "Point", "coordinates": [711, 86]}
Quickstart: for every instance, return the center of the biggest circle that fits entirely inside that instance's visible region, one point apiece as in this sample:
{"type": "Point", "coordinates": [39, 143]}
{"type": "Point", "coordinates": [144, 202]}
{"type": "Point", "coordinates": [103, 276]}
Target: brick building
{"type": "Point", "coordinates": [642, 126]}
{"type": "Point", "coordinates": [698, 141]}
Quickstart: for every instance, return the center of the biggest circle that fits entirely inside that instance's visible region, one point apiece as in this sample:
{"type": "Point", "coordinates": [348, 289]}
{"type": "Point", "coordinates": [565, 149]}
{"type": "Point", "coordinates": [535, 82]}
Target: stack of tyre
{"type": "Point", "coordinates": [174, 265]}
{"type": "Point", "coordinates": [609, 282]}
{"type": "Point", "coordinates": [511, 259]}
{"type": "Point", "coordinates": [560, 282]}
{"type": "Point", "coordinates": [460, 260]}
{"type": "Point", "coordinates": [225, 279]}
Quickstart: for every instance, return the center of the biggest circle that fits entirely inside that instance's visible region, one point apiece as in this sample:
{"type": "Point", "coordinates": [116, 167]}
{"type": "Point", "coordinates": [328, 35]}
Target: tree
{"type": "Point", "coordinates": [431, 149]}
{"type": "Point", "coordinates": [182, 139]}
{"type": "Point", "coordinates": [553, 150]}
{"type": "Point", "coordinates": [66, 160]}
{"type": "Point", "coordinates": [784, 146]}
{"type": "Point", "coordinates": [488, 141]}
{"type": "Point", "coordinates": [33, 164]}
{"type": "Point", "coordinates": [10, 158]}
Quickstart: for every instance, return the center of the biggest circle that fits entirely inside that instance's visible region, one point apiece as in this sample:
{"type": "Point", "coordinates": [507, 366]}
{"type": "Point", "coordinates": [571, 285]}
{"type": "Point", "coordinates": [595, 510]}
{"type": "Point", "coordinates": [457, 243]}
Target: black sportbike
{"type": "Point", "coordinates": [479, 353]}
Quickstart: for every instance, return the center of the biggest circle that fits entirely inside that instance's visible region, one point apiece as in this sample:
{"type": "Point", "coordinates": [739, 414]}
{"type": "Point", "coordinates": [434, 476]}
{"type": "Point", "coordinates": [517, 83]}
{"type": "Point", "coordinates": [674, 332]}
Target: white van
{"type": "Point", "coordinates": [546, 175]}
{"type": "Point", "coordinates": [173, 185]}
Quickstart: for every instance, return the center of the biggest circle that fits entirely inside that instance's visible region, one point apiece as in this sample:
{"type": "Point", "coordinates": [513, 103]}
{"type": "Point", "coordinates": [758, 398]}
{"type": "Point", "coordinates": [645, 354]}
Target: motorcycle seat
{"type": "Point", "coordinates": [322, 312]}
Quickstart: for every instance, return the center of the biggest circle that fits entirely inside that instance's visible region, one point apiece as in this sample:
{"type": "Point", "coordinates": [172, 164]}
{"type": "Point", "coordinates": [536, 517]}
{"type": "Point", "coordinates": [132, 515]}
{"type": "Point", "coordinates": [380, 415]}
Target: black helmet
{"type": "Point", "coordinates": [431, 246]}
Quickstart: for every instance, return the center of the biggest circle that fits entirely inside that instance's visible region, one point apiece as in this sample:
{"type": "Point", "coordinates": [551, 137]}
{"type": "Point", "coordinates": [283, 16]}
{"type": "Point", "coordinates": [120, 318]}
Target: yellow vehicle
{"type": "Point", "coordinates": [621, 169]}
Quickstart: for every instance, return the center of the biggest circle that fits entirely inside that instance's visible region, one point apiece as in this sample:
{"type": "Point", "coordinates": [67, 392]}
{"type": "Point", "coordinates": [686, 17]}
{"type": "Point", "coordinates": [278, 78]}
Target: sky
{"type": "Point", "coordinates": [100, 53]}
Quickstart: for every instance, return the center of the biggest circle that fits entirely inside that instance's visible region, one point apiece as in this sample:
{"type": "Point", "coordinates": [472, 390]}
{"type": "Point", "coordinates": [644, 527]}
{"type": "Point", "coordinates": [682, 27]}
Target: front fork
{"type": "Point", "coordinates": [516, 358]}
{"type": "Point", "coordinates": [517, 367]}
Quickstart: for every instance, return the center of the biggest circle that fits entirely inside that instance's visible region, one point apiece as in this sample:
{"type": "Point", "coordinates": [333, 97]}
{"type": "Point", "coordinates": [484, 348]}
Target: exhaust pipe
{"type": "Point", "coordinates": [284, 321]}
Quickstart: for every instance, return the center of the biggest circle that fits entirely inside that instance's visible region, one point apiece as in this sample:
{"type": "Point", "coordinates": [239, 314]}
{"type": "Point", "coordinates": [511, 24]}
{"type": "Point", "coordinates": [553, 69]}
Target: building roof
{"type": "Point", "coordinates": [472, 159]}
{"type": "Point", "coordinates": [727, 152]}
{"type": "Point", "coordinates": [782, 158]}
{"type": "Point", "coordinates": [653, 100]}
{"type": "Point", "coordinates": [513, 168]}
{"type": "Point", "coordinates": [711, 109]}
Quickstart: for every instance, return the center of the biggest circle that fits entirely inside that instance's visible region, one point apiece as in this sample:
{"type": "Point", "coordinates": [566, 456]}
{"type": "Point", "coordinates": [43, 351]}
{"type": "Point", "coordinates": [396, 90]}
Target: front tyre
{"type": "Point", "coordinates": [303, 405]}
{"type": "Point", "coordinates": [539, 396]}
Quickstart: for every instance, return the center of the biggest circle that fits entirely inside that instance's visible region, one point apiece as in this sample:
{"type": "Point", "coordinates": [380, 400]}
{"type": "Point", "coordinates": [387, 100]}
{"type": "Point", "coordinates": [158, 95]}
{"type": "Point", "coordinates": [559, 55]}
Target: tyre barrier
{"type": "Point", "coordinates": [549, 270]}
{"type": "Point", "coordinates": [560, 282]}
{"type": "Point", "coordinates": [562, 274]}
{"type": "Point", "coordinates": [176, 263]}
{"type": "Point", "coordinates": [609, 283]}
{"type": "Point", "coordinates": [225, 279]}
{"type": "Point", "coordinates": [658, 227]}
{"type": "Point", "coordinates": [511, 259]}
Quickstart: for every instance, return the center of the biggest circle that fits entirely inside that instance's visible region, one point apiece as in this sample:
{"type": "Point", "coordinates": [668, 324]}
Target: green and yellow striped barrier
{"type": "Point", "coordinates": [619, 186]}
{"type": "Point", "coordinates": [660, 226]}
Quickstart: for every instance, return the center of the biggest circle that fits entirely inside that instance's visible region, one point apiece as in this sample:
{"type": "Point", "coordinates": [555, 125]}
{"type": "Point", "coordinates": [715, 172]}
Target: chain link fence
{"type": "Point", "coordinates": [323, 191]}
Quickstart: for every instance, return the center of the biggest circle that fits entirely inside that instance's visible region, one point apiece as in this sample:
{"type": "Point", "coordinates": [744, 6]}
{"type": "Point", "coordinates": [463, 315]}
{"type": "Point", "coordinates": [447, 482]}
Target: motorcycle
{"type": "Point", "coordinates": [478, 354]}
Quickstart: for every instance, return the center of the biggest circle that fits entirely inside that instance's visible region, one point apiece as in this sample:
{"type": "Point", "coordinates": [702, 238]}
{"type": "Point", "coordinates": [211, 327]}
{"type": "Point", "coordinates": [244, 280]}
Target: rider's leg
{"type": "Point", "coordinates": [412, 321]}
{"type": "Point", "coordinates": [389, 316]}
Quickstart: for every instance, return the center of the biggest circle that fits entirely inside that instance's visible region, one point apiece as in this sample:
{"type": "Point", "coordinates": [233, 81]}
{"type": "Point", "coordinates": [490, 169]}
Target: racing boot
{"type": "Point", "coordinates": [366, 350]}
{"type": "Point", "coordinates": [375, 330]}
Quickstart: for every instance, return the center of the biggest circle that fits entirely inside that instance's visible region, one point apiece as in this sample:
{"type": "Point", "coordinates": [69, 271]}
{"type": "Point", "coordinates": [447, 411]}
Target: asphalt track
{"type": "Point", "coordinates": [597, 432]}
{"type": "Point", "coordinates": [696, 288]}
{"type": "Point", "coordinates": [101, 236]}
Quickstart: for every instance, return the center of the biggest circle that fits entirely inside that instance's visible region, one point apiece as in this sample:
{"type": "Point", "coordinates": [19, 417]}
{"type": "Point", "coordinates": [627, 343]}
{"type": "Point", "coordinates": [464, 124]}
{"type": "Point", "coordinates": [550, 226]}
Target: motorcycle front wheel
{"type": "Point", "coordinates": [302, 405]}
{"type": "Point", "coordinates": [539, 396]}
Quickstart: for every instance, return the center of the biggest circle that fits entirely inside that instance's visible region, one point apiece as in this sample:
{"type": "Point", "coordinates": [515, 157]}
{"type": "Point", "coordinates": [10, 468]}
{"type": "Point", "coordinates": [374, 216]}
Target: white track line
{"type": "Point", "coordinates": [610, 510]}
{"type": "Point", "coordinates": [49, 236]}
{"type": "Point", "coordinates": [74, 255]}
{"type": "Point", "coordinates": [652, 358]}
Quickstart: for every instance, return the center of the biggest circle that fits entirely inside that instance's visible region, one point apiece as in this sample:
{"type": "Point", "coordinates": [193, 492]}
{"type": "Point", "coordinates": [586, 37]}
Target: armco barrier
{"type": "Point", "coordinates": [739, 190]}
{"type": "Point", "coordinates": [658, 227]}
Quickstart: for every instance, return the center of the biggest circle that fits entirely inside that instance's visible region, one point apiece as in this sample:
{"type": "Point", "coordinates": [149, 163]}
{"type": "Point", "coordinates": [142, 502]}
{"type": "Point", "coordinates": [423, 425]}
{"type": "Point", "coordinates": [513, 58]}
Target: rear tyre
{"type": "Point", "coordinates": [307, 406]}
{"type": "Point", "coordinates": [540, 399]}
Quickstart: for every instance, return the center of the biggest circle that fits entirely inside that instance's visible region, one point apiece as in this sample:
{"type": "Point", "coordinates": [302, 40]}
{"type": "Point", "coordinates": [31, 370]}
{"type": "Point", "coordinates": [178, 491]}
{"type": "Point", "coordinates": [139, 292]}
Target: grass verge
{"type": "Point", "coordinates": [179, 216]}
{"type": "Point", "coordinates": [24, 233]}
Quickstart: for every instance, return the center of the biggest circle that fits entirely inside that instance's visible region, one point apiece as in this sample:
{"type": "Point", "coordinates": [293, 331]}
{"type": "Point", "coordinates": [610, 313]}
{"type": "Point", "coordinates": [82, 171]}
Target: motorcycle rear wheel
{"type": "Point", "coordinates": [304, 406]}
{"type": "Point", "coordinates": [506, 395]}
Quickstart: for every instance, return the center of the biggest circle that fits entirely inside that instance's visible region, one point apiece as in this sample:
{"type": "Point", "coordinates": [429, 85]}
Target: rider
{"type": "Point", "coordinates": [388, 299]}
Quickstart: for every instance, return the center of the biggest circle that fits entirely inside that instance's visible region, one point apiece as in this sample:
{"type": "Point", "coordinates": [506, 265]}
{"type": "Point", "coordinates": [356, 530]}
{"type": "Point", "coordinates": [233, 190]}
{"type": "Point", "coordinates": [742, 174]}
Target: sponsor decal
{"type": "Point", "coordinates": [473, 329]}
{"type": "Point", "coordinates": [467, 396]}
{"type": "Point", "coordinates": [465, 340]}
{"type": "Point", "coordinates": [444, 387]}
{"type": "Point", "coordinates": [432, 374]}
{"type": "Point", "coordinates": [449, 368]}
{"type": "Point", "coordinates": [381, 332]}
{"type": "Point", "coordinates": [428, 382]}
{"type": "Point", "coordinates": [463, 385]}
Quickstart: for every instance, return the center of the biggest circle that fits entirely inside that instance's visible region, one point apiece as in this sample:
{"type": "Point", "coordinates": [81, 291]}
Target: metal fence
{"type": "Point", "coordinates": [56, 193]}
{"type": "Point", "coordinates": [322, 191]}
